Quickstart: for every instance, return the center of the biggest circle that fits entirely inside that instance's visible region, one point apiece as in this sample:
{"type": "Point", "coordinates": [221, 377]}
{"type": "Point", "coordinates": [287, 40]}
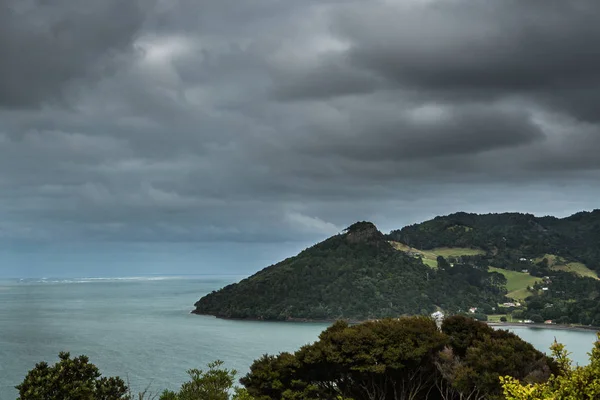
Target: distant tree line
{"type": "Point", "coordinates": [508, 237]}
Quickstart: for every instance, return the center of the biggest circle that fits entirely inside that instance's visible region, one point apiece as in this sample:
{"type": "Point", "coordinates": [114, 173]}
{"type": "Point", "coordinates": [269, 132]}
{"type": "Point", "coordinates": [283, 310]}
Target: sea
{"type": "Point", "coordinates": [140, 328]}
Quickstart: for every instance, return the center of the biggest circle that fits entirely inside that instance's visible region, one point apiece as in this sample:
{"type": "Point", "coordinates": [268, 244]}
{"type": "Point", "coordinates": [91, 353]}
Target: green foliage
{"type": "Point", "coordinates": [568, 298]}
{"type": "Point", "coordinates": [356, 275]}
{"type": "Point", "coordinates": [510, 236]}
{"type": "Point", "coordinates": [70, 379]}
{"type": "Point", "coordinates": [406, 358]}
{"type": "Point", "coordinates": [214, 384]}
{"type": "Point", "coordinates": [478, 355]}
{"type": "Point", "coordinates": [580, 382]}
{"type": "Point", "coordinates": [274, 377]}
{"type": "Point", "coordinates": [562, 249]}
{"type": "Point", "coordinates": [442, 263]}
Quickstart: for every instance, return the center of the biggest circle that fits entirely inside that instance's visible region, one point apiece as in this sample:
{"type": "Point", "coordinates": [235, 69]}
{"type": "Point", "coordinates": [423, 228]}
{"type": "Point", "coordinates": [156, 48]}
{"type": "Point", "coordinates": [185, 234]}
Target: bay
{"type": "Point", "coordinates": [142, 329]}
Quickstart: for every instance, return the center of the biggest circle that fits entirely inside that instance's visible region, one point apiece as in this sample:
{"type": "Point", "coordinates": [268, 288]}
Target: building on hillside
{"type": "Point", "coordinates": [472, 310]}
{"type": "Point", "coordinates": [525, 271]}
{"type": "Point", "coordinates": [548, 321]}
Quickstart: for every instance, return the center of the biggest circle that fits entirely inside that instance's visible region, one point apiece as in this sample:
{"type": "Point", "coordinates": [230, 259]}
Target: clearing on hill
{"type": "Point", "coordinates": [429, 257]}
{"type": "Point", "coordinates": [558, 263]}
{"type": "Point", "coordinates": [516, 282]}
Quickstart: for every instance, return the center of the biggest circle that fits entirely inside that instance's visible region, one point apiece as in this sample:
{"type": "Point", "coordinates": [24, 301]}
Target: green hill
{"type": "Point", "coordinates": [356, 275]}
{"type": "Point", "coordinates": [452, 263]}
{"type": "Point", "coordinates": [507, 238]}
{"type": "Point", "coordinates": [556, 263]}
{"type": "Point", "coordinates": [517, 282]}
{"type": "Point", "coordinates": [558, 257]}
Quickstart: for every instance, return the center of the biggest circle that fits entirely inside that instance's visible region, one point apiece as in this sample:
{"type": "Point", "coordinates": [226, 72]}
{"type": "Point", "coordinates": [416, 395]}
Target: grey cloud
{"type": "Point", "coordinates": [330, 79]}
{"type": "Point", "coordinates": [483, 45]}
{"type": "Point", "coordinates": [481, 49]}
{"type": "Point", "coordinates": [273, 121]}
{"type": "Point", "coordinates": [456, 131]}
{"type": "Point", "coordinates": [47, 46]}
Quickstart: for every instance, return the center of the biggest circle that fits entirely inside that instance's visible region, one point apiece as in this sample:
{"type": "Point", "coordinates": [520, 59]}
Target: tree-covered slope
{"type": "Point", "coordinates": [355, 275]}
{"type": "Point", "coordinates": [509, 237]}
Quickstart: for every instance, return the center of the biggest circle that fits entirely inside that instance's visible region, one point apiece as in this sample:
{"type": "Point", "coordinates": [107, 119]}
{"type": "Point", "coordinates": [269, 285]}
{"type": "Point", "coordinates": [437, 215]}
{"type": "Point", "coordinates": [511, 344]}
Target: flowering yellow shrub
{"type": "Point", "coordinates": [573, 383]}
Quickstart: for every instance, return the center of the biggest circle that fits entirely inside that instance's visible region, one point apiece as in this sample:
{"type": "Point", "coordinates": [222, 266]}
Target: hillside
{"type": "Point", "coordinates": [355, 275]}
{"type": "Point", "coordinates": [507, 238]}
{"type": "Point", "coordinates": [549, 263]}
{"type": "Point", "coordinates": [453, 263]}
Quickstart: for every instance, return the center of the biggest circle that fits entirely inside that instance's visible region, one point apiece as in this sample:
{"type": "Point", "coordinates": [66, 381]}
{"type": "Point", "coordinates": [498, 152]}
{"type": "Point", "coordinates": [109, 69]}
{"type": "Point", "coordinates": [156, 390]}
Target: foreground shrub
{"type": "Point", "coordinates": [70, 379]}
{"type": "Point", "coordinates": [405, 358]}
{"type": "Point", "coordinates": [570, 383]}
{"type": "Point", "coordinates": [214, 384]}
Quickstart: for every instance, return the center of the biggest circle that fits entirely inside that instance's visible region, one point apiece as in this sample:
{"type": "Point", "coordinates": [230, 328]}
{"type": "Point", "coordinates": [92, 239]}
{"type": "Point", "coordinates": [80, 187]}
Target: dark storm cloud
{"type": "Point", "coordinates": [274, 121]}
{"type": "Point", "coordinates": [45, 46]}
{"type": "Point", "coordinates": [544, 49]}
{"type": "Point", "coordinates": [324, 81]}
{"type": "Point", "coordinates": [482, 45]}
{"type": "Point", "coordinates": [427, 133]}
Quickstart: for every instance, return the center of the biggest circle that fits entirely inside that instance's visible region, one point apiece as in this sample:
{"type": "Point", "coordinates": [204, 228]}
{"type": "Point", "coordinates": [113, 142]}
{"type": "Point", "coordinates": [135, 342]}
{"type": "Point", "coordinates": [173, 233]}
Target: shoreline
{"type": "Point", "coordinates": [558, 327]}
{"type": "Point", "coordinates": [579, 328]}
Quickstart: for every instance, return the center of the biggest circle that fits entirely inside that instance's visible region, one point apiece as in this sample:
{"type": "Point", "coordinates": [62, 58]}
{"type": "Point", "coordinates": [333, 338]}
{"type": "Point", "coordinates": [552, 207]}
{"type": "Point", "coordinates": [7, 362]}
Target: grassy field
{"type": "Point", "coordinates": [496, 317]}
{"type": "Point", "coordinates": [456, 251]}
{"type": "Point", "coordinates": [429, 257]}
{"type": "Point", "coordinates": [516, 282]}
{"type": "Point", "coordinates": [576, 268]}
{"type": "Point", "coordinates": [430, 263]}
{"type": "Point", "coordinates": [559, 264]}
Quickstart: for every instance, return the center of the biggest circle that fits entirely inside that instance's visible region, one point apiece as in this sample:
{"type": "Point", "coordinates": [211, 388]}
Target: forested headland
{"type": "Point", "coordinates": [512, 266]}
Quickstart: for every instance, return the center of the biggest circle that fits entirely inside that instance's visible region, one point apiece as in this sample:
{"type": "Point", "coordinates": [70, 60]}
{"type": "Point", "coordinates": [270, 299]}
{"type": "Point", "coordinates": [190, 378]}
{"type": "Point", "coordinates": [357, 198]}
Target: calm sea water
{"type": "Point", "coordinates": [141, 328]}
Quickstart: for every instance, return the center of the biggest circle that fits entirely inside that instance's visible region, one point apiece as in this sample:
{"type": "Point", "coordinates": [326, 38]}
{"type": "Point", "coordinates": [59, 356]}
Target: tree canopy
{"type": "Point", "coordinates": [356, 275]}
{"type": "Point", "coordinates": [70, 379]}
{"type": "Point", "coordinates": [580, 382]}
{"type": "Point", "coordinates": [405, 358]}
{"type": "Point", "coordinates": [508, 237]}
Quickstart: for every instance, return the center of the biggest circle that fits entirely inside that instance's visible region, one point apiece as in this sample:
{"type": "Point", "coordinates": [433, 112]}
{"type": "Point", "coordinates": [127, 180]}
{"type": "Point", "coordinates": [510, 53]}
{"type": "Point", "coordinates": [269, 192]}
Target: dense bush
{"type": "Point", "coordinates": [580, 382]}
{"type": "Point", "coordinates": [406, 358]}
{"type": "Point", "coordinates": [357, 276]}
{"type": "Point", "coordinates": [70, 379]}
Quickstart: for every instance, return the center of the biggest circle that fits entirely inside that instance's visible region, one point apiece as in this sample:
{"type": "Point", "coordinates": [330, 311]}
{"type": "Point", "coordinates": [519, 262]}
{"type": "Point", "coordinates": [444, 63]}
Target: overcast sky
{"type": "Point", "coordinates": [206, 136]}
